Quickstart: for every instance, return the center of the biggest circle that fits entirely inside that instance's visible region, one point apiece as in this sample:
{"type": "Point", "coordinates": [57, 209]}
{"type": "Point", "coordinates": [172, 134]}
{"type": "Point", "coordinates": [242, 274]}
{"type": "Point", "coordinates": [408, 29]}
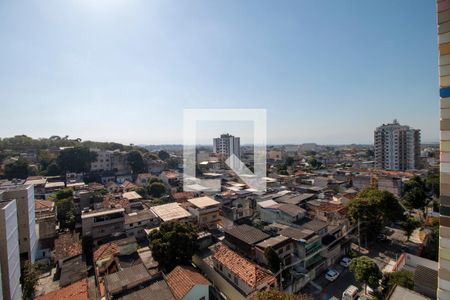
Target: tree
{"type": "Point", "coordinates": [432, 183]}
{"type": "Point", "coordinates": [136, 162]}
{"type": "Point", "coordinates": [65, 213]}
{"type": "Point", "coordinates": [432, 249]}
{"type": "Point", "coordinates": [375, 208]}
{"type": "Point", "coordinates": [273, 294]}
{"type": "Point", "coordinates": [53, 169]}
{"type": "Point", "coordinates": [173, 244]}
{"type": "Point", "coordinates": [45, 158]}
{"type": "Point", "coordinates": [29, 280]}
{"type": "Point", "coordinates": [415, 193]}
{"type": "Point", "coordinates": [366, 271]}
{"type": "Point", "coordinates": [77, 159]}
{"type": "Point", "coordinates": [156, 189]}
{"type": "Point", "coordinates": [163, 155]}
{"type": "Point", "coordinates": [172, 163]}
{"type": "Point", "coordinates": [63, 194]}
{"type": "Point", "coordinates": [289, 161]}
{"type": "Point", "coordinates": [403, 278]}
{"type": "Point", "coordinates": [273, 259]}
{"type": "Point", "coordinates": [18, 169]}
{"type": "Point", "coordinates": [314, 163]}
{"type": "Point", "coordinates": [409, 225]}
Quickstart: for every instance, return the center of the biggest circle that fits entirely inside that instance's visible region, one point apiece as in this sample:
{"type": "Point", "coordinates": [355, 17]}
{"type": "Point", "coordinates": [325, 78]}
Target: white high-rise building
{"type": "Point", "coordinates": [9, 251]}
{"type": "Point", "coordinates": [226, 145]}
{"type": "Point", "coordinates": [397, 147]}
{"type": "Point", "coordinates": [24, 196]}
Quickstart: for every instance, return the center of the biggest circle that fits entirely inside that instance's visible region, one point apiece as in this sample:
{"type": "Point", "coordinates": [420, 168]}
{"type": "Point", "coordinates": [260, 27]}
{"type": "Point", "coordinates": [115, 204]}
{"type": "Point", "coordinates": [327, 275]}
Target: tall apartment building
{"type": "Point", "coordinates": [397, 147]}
{"type": "Point", "coordinates": [443, 20]}
{"type": "Point", "coordinates": [24, 196]}
{"type": "Point", "coordinates": [226, 145]}
{"type": "Point", "coordinates": [9, 251]}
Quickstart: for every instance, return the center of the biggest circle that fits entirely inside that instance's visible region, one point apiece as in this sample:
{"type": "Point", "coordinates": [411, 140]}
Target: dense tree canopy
{"type": "Point", "coordinates": [163, 155]}
{"type": "Point", "coordinates": [173, 244]}
{"type": "Point", "coordinates": [18, 169]}
{"type": "Point", "coordinates": [415, 193]}
{"type": "Point", "coordinates": [432, 249]}
{"type": "Point", "coordinates": [76, 159]}
{"type": "Point", "coordinates": [136, 162]}
{"type": "Point", "coordinates": [366, 271]}
{"type": "Point", "coordinates": [65, 208]}
{"type": "Point", "coordinates": [156, 189]}
{"type": "Point", "coordinates": [409, 225]}
{"type": "Point", "coordinates": [432, 183]}
{"type": "Point", "coordinates": [376, 208]}
{"type": "Point", "coordinates": [29, 279]}
{"type": "Point", "coordinates": [403, 278]}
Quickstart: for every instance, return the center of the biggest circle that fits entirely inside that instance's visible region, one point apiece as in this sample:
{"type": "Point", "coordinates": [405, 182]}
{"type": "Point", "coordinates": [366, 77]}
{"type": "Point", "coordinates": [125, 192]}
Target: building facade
{"type": "Point", "coordinates": [226, 145]}
{"type": "Point", "coordinates": [397, 147]}
{"type": "Point", "coordinates": [443, 20]}
{"type": "Point", "coordinates": [24, 196]}
{"type": "Point", "coordinates": [9, 251]}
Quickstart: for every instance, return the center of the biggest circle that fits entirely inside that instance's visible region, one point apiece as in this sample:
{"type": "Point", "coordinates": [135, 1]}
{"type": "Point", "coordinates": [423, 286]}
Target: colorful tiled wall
{"type": "Point", "coordinates": [443, 18]}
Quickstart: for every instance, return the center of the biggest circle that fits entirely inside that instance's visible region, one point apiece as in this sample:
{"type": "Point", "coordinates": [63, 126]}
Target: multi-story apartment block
{"type": "Point", "coordinates": [103, 223]}
{"type": "Point", "coordinates": [226, 145]}
{"type": "Point", "coordinates": [108, 160]}
{"type": "Point", "coordinates": [397, 147]}
{"type": "Point", "coordinates": [24, 196]}
{"type": "Point", "coordinates": [9, 251]}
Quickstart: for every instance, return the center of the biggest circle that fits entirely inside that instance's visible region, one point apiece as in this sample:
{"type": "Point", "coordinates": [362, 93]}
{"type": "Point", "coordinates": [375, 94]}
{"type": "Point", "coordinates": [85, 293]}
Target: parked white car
{"type": "Point", "coordinates": [350, 293]}
{"type": "Point", "coordinates": [332, 274]}
{"type": "Point", "coordinates": [345, 262]}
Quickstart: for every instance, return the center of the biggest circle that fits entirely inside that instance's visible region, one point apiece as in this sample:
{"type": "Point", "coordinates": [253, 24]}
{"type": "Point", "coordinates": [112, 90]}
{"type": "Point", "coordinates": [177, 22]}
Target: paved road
{"type": "Point", "coordinates": [337, 287]}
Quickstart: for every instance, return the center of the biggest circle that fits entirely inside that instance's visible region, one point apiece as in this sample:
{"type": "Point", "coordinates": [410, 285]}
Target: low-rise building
{"type": "Point", "coordinates": [124, 281]}
{"type": "Point", "coordinates": [136, 222]}
{"type": "Point", "coordinates": [103, 223]}
{"type": "Point", "coordinates": [77, 290]}
{"type": "Point", "coordinates": [186, 284]}
{"type": "Point", "coordinates": [170, 212]}
{"type": "Point", "coordinates": [282, 245]}
{"type": "Point", "coordinates": [205, 210]}
{"type": "Point", "coordinates": [245, 276]}
{"type": "Point", "coordinates": [244, 238]}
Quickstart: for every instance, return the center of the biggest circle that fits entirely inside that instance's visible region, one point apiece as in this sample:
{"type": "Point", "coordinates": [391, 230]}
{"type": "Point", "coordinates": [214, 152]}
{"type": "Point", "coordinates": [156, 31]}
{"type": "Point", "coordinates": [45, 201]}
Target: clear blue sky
{"type": "Point", "coordinates": [123, 70]}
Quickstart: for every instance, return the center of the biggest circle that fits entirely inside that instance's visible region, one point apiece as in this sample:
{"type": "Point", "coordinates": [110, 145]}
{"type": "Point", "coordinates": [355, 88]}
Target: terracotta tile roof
{"type": "Point", "coordinates": [182, 196]}
{"type": "Point", "coordinates": [182, 279]}
{"type": "Point", "coordinates": [106, 251]}
{"type": "Point", "coordinates": [252, 274]}
{"type": "Point", "coordinates": [75, 291]}
{"type": "Point", "coordinates": [128, 185]}
{"type": "Point", "coordinates": [329, 207]}
{"type": "Point", "coordinates": [67, 245]}
{"type": "Point", "coordinates": [170, 174]}
{"type": "Point", "coordinates": [44, 204]}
